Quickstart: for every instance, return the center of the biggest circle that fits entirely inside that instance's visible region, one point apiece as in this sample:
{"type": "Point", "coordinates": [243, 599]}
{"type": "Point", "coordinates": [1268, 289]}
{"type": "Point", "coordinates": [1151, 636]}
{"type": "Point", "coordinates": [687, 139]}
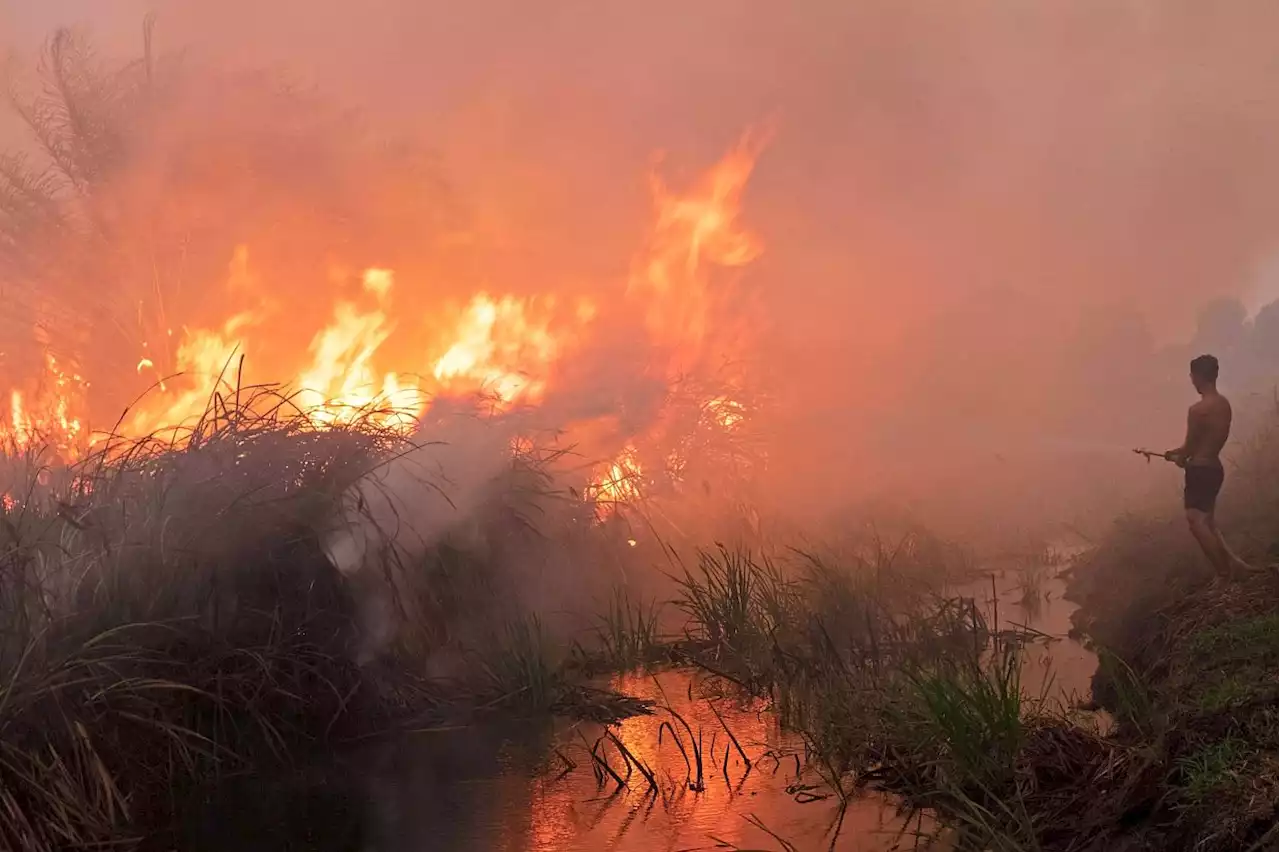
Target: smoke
{"type": "Point", "coordinates": [987, 228]}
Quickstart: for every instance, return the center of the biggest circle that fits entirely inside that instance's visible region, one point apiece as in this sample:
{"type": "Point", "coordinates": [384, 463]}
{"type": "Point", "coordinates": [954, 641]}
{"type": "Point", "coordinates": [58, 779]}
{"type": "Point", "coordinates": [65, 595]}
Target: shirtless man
{"type": "Point", "coordinates": [1208, 427]}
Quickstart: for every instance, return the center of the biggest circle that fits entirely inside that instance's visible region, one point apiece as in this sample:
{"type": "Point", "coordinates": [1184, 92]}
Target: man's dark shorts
{"type": "Point", "coordinates": [1203, 483]}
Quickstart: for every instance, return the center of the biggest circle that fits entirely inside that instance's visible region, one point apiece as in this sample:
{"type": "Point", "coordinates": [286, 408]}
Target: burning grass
{"type": "Point", "coordinates": [172, 617]}
{"type": "Point", "coordinates": [171, 611]}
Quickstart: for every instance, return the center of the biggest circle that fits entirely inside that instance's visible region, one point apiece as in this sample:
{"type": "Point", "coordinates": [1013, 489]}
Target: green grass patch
{"type": "Point", "coordinates": [1246, 638]}
{"type": "Point", "coordinates": [974, 714]}
{"type": "Point", "coordinates": [1212, 769]}
{"type": "Point", "coordinates": [626, 633]}
{"type": "Point", "coordinates": [1225, 693]}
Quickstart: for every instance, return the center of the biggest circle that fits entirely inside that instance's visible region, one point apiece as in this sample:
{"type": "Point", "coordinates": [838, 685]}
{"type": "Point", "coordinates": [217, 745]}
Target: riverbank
{"type": "Point", "coordinates": [1188, 670]}
{"type": "Point", "coordinates": [1188, 666]}
{"type": "Point", "coordinates": [892, 682]}
{"type": "Point", "coordinates": [942, 702]}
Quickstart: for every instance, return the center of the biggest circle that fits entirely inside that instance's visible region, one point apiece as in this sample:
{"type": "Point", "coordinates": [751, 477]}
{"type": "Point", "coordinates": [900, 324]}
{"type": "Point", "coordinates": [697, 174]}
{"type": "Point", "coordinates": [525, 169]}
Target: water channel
{"type": "Point", "coordinates": [533, 789]}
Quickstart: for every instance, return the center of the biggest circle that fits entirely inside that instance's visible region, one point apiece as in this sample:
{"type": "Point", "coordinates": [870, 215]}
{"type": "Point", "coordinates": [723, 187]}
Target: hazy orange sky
{"type": "Point", "coordinates": [956, 193]}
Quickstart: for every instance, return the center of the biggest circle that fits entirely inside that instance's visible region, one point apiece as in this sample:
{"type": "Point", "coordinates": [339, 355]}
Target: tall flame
{"type": "Point", "coordinates": [203, 356]}
{"type": "Point", "coordinates": [693, 234]}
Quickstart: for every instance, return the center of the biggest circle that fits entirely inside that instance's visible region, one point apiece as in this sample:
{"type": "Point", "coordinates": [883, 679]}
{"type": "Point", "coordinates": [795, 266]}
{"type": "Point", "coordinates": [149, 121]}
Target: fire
{"type": "Point", "coordinates": [500, 349]}
{"type": "Point", "coordinates": [726, 413]}
{"type": "Point", "coordinates": [205, 356]}
{"type": "Point", "coordinates": [47, 418]}
{"type": "Point", "coordinates": [505, 347]}
{"type": "Point", "coordinates": [341, 382]}
{"type": "Point", "coordinates": [619, 482]}
{"type": "Point", "coordinates": [693, 233]}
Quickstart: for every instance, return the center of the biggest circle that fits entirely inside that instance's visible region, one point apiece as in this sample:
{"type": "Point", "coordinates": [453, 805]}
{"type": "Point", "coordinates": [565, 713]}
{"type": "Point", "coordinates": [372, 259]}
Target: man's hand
{"type": "Point", "coordinates": [1178, 457]}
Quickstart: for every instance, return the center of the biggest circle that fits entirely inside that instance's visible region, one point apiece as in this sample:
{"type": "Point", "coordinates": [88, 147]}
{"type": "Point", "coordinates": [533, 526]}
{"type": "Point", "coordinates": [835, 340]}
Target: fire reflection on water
{"type": "Point", "coordinates": [575, 816]}
{"type": "Point", "coordinates": [477, 789]}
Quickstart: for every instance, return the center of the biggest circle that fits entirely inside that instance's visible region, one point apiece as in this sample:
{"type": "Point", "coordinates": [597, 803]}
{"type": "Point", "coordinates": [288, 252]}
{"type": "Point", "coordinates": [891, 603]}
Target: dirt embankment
{"type": "Point", "coordinates": [1188, 670]}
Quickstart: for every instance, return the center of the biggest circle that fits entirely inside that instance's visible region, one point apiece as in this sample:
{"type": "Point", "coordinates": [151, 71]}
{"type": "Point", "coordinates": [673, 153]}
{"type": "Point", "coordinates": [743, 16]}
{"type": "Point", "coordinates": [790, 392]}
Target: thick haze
{"type": "Point", "coordinates": [984, 223]}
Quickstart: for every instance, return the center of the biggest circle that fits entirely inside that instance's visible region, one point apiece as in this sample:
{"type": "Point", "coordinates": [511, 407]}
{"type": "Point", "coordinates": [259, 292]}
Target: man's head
{"type": "Point", "coordinates": [1204, 372]}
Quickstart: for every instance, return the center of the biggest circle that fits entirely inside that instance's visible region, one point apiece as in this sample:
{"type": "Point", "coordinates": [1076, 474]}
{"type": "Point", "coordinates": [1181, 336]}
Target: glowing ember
{"type": "Point", "coordinates": [725, 412]}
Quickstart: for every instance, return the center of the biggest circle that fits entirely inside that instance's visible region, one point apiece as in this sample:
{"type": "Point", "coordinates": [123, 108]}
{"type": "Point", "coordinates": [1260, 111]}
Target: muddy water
{"type": "Point", "coordinates": [532, 789]}
{"type": "Point", "coordinates": [1058, 667]}
{"type": "Point", "coordinates": [510, 789]}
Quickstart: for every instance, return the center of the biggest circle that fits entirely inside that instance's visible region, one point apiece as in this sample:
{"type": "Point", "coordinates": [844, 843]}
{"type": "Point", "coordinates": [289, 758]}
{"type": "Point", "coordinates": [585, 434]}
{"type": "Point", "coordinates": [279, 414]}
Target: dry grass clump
{"type": "Point", "coordinates": [168, 613]}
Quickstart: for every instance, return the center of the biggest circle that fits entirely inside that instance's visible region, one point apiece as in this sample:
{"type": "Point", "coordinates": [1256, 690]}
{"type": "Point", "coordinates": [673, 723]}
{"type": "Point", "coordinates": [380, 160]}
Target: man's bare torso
{"type": "Point", "coordinates": [1210, 427]}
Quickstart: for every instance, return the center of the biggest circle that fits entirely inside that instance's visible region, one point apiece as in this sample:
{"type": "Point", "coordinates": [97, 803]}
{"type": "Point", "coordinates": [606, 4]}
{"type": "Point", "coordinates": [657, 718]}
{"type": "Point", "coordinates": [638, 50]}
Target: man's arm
{"type": "Point", "coordinates": [1179, 455]}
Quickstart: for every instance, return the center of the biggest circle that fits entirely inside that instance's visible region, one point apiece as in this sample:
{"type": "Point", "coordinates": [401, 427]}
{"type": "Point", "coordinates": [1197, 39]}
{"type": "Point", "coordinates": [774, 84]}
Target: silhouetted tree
{"type": "Point", "coordinates": [50, 200]}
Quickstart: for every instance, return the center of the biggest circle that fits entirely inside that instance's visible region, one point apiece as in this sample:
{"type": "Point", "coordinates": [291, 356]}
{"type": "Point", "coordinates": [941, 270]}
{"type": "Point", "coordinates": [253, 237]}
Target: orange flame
{"type": "Point", "coordinates": [203, 356]}
{"type": "Point", "coordinates": [341, 383]}
{"type": "Point", "coordinates": [500, 349]}
{"type": "Point", "coordinates": [501, 345]}
{"type": "Point", "coordinates": [618, 483]}
{"type": "Point", "coordinates": [47, 419]}
{"type": "Point", "coordinates": [693, 234]}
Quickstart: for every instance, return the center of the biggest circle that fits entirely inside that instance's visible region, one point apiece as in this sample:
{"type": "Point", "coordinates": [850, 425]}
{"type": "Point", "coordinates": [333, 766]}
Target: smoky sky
{"type": "Point", "coordinates": [959, 199]}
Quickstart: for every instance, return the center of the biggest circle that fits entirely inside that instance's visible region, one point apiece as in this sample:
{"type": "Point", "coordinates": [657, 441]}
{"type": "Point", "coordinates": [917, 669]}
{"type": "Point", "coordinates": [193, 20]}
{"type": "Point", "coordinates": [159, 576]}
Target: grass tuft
{"type": "Point", "coordinates": [627, 632]}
